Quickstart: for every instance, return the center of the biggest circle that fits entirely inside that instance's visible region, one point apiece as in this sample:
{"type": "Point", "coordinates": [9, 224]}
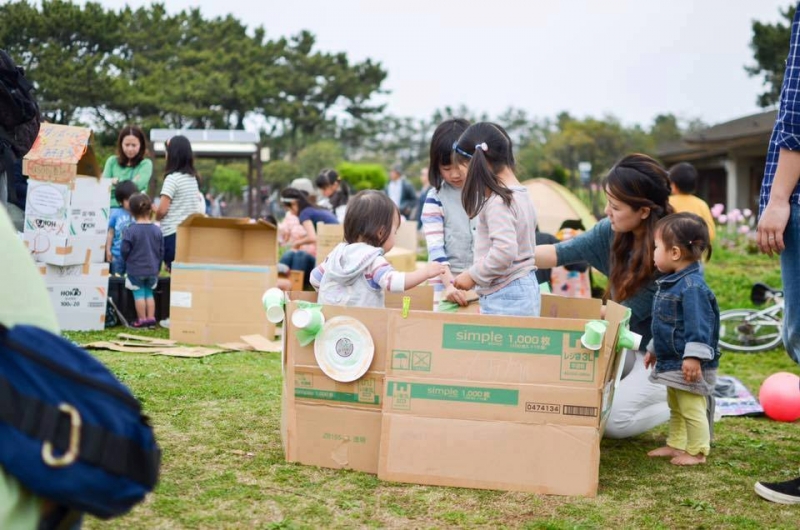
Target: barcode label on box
{"type": "Point", "coordinates": [572, 410]}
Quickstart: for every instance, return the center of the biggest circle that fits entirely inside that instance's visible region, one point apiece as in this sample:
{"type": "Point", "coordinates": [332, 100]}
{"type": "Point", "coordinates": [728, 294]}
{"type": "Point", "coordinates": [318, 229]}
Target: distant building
{"type": "Point", "coordinates": [729, 158]}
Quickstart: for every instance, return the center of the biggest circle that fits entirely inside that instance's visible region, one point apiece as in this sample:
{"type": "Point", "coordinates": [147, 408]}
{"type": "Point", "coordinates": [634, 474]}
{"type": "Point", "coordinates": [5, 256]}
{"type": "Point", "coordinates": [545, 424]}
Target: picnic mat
{"type": "Point", "coordinates": [734, 399]}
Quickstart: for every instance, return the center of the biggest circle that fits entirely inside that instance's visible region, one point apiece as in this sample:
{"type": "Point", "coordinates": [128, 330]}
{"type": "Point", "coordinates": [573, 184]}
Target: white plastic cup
{"type": "Point", "coordinates": [310, 320]}
{"type": "Point", "coordinates": [273, 304]}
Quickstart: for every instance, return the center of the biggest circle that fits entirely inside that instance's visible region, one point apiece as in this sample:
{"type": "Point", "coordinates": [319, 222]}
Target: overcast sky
{"type": "Point", "coordinates": [631, 58]}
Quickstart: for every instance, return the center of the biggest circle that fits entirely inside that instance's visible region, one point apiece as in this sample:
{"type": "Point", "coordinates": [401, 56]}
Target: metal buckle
{"type": "Point", "coordinates": [74, 440]}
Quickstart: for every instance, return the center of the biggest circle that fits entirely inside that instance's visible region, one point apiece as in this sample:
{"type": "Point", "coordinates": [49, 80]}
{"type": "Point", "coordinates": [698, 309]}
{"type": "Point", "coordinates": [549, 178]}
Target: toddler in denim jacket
{"type": "Point", "coordinates": [683, 349]}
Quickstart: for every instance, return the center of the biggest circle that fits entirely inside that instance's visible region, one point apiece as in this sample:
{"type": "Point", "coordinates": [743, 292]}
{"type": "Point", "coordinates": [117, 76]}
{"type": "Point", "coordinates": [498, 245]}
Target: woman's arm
{"type": "Point", "coordinates": [545, 256]}
{"type": "Point", "coordinates": [309, 238]}
{"type": "Point", "coordinates": [141, 177]}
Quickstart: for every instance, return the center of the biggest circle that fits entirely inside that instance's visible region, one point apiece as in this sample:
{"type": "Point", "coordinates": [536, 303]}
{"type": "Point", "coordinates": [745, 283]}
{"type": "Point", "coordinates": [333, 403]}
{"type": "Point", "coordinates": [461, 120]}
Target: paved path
{"type": "Point", "coordinates": [555, 204]}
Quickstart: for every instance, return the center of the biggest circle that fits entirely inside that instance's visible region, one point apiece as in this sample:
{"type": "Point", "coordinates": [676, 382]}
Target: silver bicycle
{"type": "Point", "coordinates": [753, 330]}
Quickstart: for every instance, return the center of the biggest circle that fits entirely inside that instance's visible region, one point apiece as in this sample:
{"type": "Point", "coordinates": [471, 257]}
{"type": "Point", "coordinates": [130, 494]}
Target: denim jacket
{"type": "Point", "coordinates": [685, 321]}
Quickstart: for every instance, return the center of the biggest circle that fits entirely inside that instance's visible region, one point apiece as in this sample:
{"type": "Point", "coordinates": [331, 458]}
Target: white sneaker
{"type": "Point", "coordinates": [164, 323]}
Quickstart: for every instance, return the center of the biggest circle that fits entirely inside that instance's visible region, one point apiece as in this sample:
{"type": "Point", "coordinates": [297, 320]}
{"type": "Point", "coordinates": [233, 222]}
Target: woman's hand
{"type": "Point", "coordinates": [464, 281]}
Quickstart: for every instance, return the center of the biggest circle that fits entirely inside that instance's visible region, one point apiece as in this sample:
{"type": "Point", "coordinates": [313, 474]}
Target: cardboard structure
{"type": "Point", "coordinates": [67, 209]}
{"type": "Point", "coordinates": [66, 222]}
{"type": "Point", "coordinates": [462, 400]}
{"type": "Point", "coordinates": [78, 294]}
{"type": "Point", "coordinates": [222, 268]}
{"type": "Point", "coordinates": [403, 256]}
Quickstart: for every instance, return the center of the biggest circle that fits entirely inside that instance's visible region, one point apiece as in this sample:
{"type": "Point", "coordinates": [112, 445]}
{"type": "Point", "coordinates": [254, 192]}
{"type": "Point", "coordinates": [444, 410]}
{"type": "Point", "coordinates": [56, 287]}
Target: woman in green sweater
{"type": "Point", "coordinates": [130, 162]}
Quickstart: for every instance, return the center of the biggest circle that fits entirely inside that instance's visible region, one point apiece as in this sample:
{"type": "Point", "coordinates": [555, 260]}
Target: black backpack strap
{"type": "Point", "coordinates": [98, 447]}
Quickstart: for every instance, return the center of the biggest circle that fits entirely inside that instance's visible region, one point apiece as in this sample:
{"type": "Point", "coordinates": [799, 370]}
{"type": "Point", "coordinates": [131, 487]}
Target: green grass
{"type": "Point", "coordinates": [217, 420]}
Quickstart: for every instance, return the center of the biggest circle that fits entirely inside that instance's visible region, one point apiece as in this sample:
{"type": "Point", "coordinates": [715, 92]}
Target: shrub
{"type": "Point", "coordinates": [363, 176]}
{"type": "Point", "coordinates": [315, 157]}
{"type": "Point", "coordinates": [228, 179]}
{"type": "Point", "coordinates": [280, 172]}
{"type": "Point", "coordinates": [736, 229]}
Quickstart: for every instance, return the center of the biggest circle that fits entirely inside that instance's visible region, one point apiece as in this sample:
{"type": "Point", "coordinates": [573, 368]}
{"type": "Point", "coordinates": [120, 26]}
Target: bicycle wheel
{"type": "Point", "coordinates": [748, 330]}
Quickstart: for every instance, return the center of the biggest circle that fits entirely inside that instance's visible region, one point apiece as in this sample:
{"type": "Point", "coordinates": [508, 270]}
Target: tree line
{"type": "Point", "coordinates": [315, 108]}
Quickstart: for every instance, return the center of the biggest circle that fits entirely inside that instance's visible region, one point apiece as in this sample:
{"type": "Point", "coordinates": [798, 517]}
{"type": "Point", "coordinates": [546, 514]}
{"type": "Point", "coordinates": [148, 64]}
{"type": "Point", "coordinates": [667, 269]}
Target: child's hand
{"type": "Point", "coordinates": [454, 295]}
{"type": "Point", "coordinates": [434, 269]}
{"type": "Point", "coordinates": [691, 370]}
{"type": "Point", "coordinates": [464, 281]}
{"type": "Point", "coordinates": [649, 359]}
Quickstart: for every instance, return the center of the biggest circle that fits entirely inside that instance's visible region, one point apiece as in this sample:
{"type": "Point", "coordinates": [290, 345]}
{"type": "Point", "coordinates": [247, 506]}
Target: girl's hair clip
{"type": "Point", "coordinates": [482, 146]}
{"type": "Point", "coordinates": [460, 151]}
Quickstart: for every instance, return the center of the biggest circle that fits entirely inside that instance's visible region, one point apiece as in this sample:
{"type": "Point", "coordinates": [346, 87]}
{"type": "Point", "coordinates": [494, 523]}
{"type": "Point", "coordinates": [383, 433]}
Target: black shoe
{"type": "Point", "coordinates": [781, 492]}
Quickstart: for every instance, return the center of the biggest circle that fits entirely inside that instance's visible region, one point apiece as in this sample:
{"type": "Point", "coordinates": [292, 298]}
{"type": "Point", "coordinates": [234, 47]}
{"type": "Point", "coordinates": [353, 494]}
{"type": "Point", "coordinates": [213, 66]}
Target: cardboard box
{"type": "Point", "coordinates": [326, 423]}
{"type": "Point", "coordinates": [402, 259]}
{"type": "Point", "coordinates": [60, 153]}
{"type": "Point", "coordinates": [468, 400]}
{"type": "Point", "coordinates": [498, 402]}
{"type": "Point", "coordinates": [328, 236]}
{"type": "Point", "coordinates": [222, 268]}
{"type": "Point", "coordinates": [78, 294]}
{"type": "Point", "coordinates": [67, 209]}
{"type": "Point", "coordinates": [403, 256]}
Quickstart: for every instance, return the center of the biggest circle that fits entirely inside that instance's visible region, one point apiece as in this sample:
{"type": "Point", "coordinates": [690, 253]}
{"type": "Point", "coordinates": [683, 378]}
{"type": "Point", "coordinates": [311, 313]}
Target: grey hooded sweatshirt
{"type": "Point", "coordinates": [356, 274]}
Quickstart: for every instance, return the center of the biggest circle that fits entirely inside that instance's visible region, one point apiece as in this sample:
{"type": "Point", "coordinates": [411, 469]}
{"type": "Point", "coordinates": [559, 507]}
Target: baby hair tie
{"type": "Point", "coordinates": [482, 146]}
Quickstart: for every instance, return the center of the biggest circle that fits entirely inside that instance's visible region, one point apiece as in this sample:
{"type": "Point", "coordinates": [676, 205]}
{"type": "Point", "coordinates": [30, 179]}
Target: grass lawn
{"type": "Point", "coordinates": [217, 420]}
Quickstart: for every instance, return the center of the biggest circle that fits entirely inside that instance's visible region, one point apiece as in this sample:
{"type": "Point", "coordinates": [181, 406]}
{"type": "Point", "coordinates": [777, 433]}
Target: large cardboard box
{"type": "Point", "coordinates": [78, 294]}
{"type": "Point", "coordinates": [498, 402]}
{"type": "Point", "coordinates": [222, 268]}
{"type": "Point", "coordinates": [67, 209]}
{"type": "Point", "coordinates": [467, 400]}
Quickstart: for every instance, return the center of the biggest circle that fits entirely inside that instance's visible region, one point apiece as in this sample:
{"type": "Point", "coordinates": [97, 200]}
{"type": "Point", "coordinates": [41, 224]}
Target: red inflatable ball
{"type": "Point", "coordinates": [780, 396]}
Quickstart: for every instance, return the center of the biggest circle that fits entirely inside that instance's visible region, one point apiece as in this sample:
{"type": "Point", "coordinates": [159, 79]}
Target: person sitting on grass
{"type": "Point", "coordinates": [355, 273]}
{"type": "Point", "coordinates": [143, 250]}
{"type": "Point", "coordinates": [118, 221]}
{"type": "Point", "coordinates": [684, 348]}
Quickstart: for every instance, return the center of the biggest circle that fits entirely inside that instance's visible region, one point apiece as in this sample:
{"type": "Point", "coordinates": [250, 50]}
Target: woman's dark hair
{"type": "Point", "coordinates": [180, 158]}
{"type": "Point", "coordinates": [441, 154]}
{"type": "Point", "coordinates": [370, 218]}
{"type": "Point", "coordinates": [124, 191]}
{"type": "Point", "coordinates": [131, 130]}
{"type": "Point", "coordinates": [290, 195]}
{"type": "Point", "coordinates": [686, 231]}
{"type": "Point", "coordinates": [487, 148]}
{"type": "Point", "coordinates": [640, 182]}
{"type": "Point", "coordinates": [329, 177]}
{"type": "Point", "coordinates": [140, 205]}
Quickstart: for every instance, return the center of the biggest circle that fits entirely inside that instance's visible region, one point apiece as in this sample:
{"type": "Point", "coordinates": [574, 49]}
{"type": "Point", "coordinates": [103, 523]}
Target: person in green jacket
{"type": "Point", "coordinates": [26, 301]}
{"type": "Point", "coordinates": [130, 162]}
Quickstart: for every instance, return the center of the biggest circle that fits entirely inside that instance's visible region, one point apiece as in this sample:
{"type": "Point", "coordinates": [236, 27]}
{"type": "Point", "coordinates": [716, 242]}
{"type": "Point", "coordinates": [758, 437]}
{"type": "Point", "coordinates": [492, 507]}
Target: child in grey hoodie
{"type": "Point", "coordinates": [355, 273]}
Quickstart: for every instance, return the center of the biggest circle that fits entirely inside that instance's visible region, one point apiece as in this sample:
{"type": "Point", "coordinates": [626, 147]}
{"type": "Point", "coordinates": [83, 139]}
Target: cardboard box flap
{"type": "Point", "coordinates": [235, 241]}
{"type": "Point", "coordinates": [60, 153]}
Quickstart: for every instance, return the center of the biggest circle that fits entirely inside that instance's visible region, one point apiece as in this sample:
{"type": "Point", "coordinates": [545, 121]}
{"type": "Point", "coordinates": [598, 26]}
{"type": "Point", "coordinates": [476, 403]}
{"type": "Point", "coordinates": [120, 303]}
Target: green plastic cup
{"type": "Point", "coordinates": [273, 301]}
{"type": "Point", "coordinates": [308, 319]}
{"type": "Point", "coordinates": [593, 333]}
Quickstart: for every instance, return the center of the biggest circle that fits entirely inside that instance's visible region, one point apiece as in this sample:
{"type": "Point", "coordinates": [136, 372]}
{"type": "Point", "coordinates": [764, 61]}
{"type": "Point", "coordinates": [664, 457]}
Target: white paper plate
{"type": "Point", "coordinates": [344, 349]}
